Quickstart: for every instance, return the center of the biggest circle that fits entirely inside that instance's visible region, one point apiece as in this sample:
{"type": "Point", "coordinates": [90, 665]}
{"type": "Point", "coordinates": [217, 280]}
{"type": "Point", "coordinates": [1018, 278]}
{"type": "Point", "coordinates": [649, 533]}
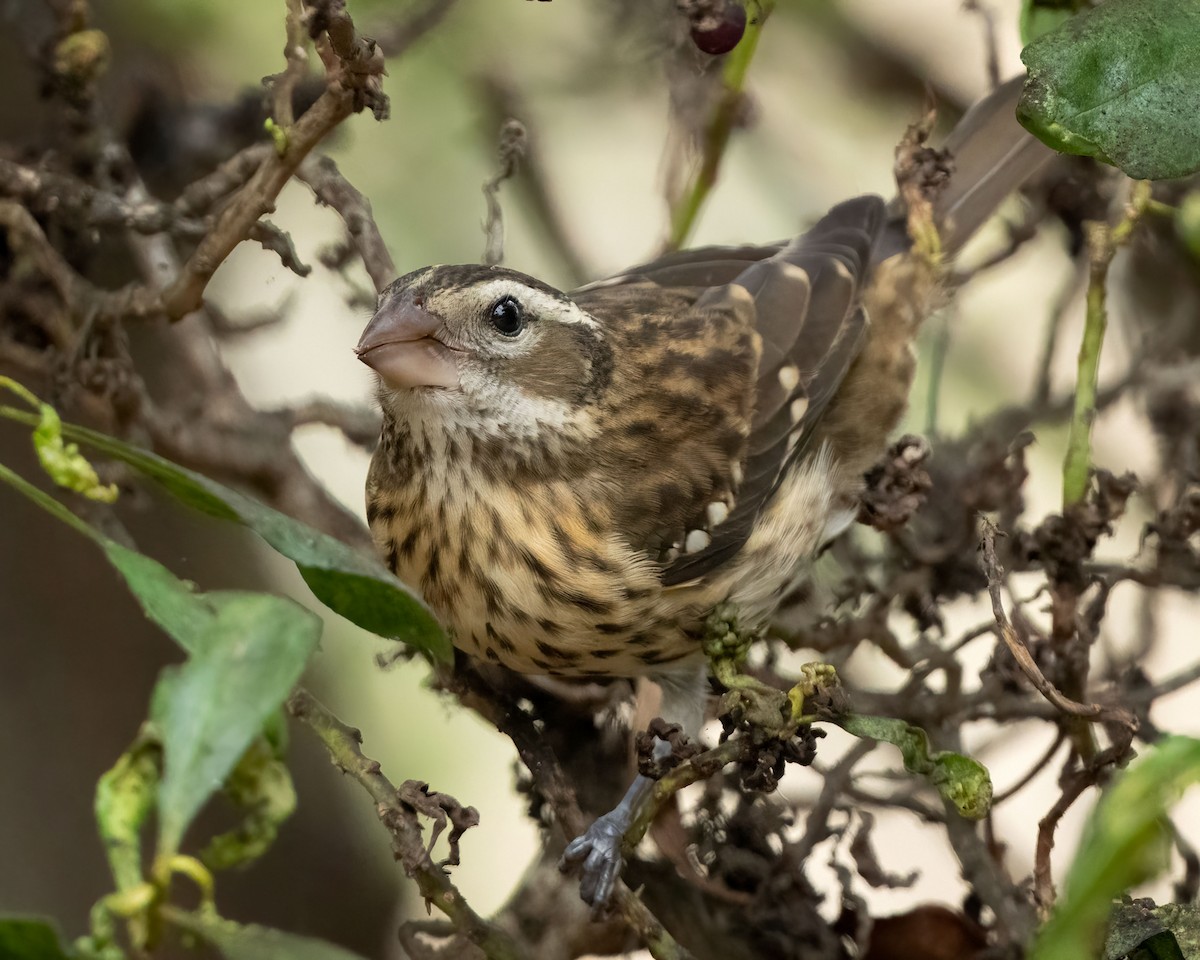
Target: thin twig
{"type": "Point", "coordinates": [532, 180]}
{"type": "Point", "coordinates": [334, 190]}
{"type": "Point", "coordinates": [25, 236]}
{"type": "Point", "coordinates": [279, 242]}
{"type": "Point", "coordinates": [284, 84]}
{"type": "Point", "coordinates": [1103, 242]}
{"type": "Point", "coordinates": [1033, 771]}
{"type": "Point", "coordinates": [923, 811]}
{"type": "Point", "coordinates": [554, 786]}
{"type": "Point", "coordinates": [396, 37]}
{"type": "Point", "coordinates": [987, 17]}
{"type": "Point", "coordinates": [1019, 234]}
{"type": "Point", "coordinates": [200, 196]}
{"type": "Point", "coordinates": [342, 742]}
{"type": "Point", "coordinates": [698, 768]}
{"type": "Point", "coordinates": [1021, 654]}
{"type": "Point", "coordinates": [355, 83]}
{"type": "Point", "coordinates": [255, 449]}
{"type": "Point", "coordinates": [511, 149]}
{"type": "Point", "coordinates": [1147, 695]}
{"type": "Point", "coordinates": [720, 127]}
{"type": "Point", "coordinates": [1043, 878]}
{"type": "Point", "coordinates": [837, 778]}
{"type": "Point", "coordinates": [54, 194]}
{"type": "Point", "coordinates": [1188, 886]}
{"type": "Point", "coordinates": [359, 425]}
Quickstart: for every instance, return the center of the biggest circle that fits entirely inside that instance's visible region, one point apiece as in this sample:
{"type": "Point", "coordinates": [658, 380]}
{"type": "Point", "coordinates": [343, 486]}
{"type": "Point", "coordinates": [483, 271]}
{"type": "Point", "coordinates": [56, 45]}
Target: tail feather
{"type": "Point", "coordinates": [992, 155]}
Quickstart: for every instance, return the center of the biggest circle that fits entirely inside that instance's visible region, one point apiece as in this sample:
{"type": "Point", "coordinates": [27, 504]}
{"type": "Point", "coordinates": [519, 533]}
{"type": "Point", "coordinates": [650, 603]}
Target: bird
{"type": "Point", "coordinates": [574, 480]}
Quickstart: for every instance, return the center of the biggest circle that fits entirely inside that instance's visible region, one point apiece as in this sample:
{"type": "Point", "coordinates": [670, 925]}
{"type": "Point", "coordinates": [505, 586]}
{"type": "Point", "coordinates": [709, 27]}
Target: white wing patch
{"type": "Point", "coordinates": [716, 512]}
{"type": "Point", "coordinates": [696, 540]}
{"type": "Point", "coordinates": [789, 377]}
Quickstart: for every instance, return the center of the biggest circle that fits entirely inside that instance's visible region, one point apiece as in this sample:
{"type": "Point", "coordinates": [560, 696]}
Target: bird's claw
{"type": "Point", "coordinates": [597, 854]}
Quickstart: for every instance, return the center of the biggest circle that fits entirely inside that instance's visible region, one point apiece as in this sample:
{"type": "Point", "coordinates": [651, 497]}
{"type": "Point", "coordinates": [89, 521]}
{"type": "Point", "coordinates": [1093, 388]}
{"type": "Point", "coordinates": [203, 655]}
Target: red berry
{"type": "Point", "coordinates": [720, 32]}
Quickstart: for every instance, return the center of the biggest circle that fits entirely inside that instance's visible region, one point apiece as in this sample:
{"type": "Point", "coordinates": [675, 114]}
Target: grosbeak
{"type": "Point", "coordinates": [574, 480]}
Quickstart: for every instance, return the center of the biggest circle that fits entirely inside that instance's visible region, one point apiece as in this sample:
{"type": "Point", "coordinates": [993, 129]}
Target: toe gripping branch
{"type": "Point", "coordinates": [767, 722]}
{"type": "Point", "coordinates": [600, 852]}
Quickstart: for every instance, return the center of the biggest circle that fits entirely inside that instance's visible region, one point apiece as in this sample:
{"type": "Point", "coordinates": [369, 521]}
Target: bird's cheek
{"type": "Point", "coordinates": [405, 365]}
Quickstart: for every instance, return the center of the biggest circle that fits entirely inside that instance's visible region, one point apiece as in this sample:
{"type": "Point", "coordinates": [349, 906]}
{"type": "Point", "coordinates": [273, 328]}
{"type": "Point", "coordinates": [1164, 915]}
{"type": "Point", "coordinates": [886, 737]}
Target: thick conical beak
{"type": "Point", "coordinates": [399, 345]}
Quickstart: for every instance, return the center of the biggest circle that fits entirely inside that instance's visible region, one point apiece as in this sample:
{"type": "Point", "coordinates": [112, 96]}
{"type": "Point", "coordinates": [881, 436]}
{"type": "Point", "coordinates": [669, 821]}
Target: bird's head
{"type": "Point", "coordinates": [485, 348]}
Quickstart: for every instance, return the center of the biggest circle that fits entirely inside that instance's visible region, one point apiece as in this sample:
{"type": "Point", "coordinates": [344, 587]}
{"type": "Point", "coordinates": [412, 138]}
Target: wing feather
{"type": "Point", "coordinates": [807, 316]}
{"type": "Point", "coordinates": [808, 311]}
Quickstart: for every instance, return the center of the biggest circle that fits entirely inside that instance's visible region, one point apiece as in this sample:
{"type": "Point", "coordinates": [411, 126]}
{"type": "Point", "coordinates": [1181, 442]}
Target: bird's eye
{"type": "Point", "coordinates": [507, 316]}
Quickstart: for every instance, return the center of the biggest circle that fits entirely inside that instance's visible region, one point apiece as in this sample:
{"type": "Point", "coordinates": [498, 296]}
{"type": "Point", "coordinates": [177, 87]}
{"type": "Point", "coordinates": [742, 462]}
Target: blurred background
{"type": "Point", "coordinates": [832, 88]}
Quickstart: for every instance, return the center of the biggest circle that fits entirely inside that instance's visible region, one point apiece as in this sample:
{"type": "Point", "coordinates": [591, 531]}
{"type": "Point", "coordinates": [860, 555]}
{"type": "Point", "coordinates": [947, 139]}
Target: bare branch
{"type": "Point", "coordinates": [202, 195]}
{"type": "Point", "coordinates": [360, 425]}
{"type": "Point", "coordinates": [511, 149]}
{"type": "Point", "coordinates": [332, 189]}
{"type": "Point", "coordinates": [398, 813]}
{"type": "Point", "coordinates": [284, 85]}
{"type": "Point", "coordinates": [504, 101]}
{"type": "Point", "coordinates": [278, 242]}
{"type": "Point", "coordinates": [1024, 659]}
{"type": "Point", "coordinates": [556, 788]}
{"type": "Point", "coordinates": [354, 82]}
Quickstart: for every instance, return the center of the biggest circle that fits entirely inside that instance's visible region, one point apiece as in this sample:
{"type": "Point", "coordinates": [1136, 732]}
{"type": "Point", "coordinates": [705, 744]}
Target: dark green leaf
{"type": "Point", "coordinates": [28, 939]}
{"type": "Point", "coordinates": [238, 941]}
{"type": "Point", "coordinates": [1120, 82]}
{"type": "Point", "coordinates": [1142, 930]}
{"type": "Point", "coordinates": [961, 780]}
{"type": "Point", "coordinates": [210, 710]}
{"type": "Point", "coordinates": [1183, 920]}
{"type": "Point", "coordinates": [248, 650]}
{"type": "Point", "coordinates": [1125, 842]}
{"type": "Point", "coordinates": [168, 601]}
{"type": "Point", "coordinates": [357, 587]}
{"type": "Point", "coordinates": [1161, 946]}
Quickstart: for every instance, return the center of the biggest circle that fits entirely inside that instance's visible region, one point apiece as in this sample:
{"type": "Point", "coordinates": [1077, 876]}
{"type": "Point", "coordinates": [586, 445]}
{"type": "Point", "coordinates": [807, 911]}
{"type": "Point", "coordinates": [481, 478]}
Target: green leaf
{"type": "Point", "coordinates": [357, 587]}
{"type": "Point", "coordinates": [1120, 82]}
{"type": "Point", "coordinates": [1125, 842]}
{"type": "Point", "coordinates": [210, 710]}
{"type": "Point", "coordinates": [237, 941]}
{"type": "Point", "coordinates": [28, 939]}
{"type": "Point", "coordinates": [124, 799]}
{"type": "Point", "coordinates": [961, 780]}
{"type": "Point", "coordinates": [1160, 946]}
{"type": "Point", "coordinates": [165, 599]}
{"type": "Point", "coordinates": [1183, 921]}
{"type": "Point", "coordinates": [247, 652]}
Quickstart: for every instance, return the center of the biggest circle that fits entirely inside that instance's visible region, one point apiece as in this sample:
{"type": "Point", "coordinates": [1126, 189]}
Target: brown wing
{"type": "Point", "coordinates": [807, 314]}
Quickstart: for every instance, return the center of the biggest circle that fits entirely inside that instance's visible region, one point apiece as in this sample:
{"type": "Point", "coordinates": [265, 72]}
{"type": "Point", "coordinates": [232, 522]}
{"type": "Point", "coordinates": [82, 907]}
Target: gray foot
{"type": "Point", "coordinates": [597, 854]}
